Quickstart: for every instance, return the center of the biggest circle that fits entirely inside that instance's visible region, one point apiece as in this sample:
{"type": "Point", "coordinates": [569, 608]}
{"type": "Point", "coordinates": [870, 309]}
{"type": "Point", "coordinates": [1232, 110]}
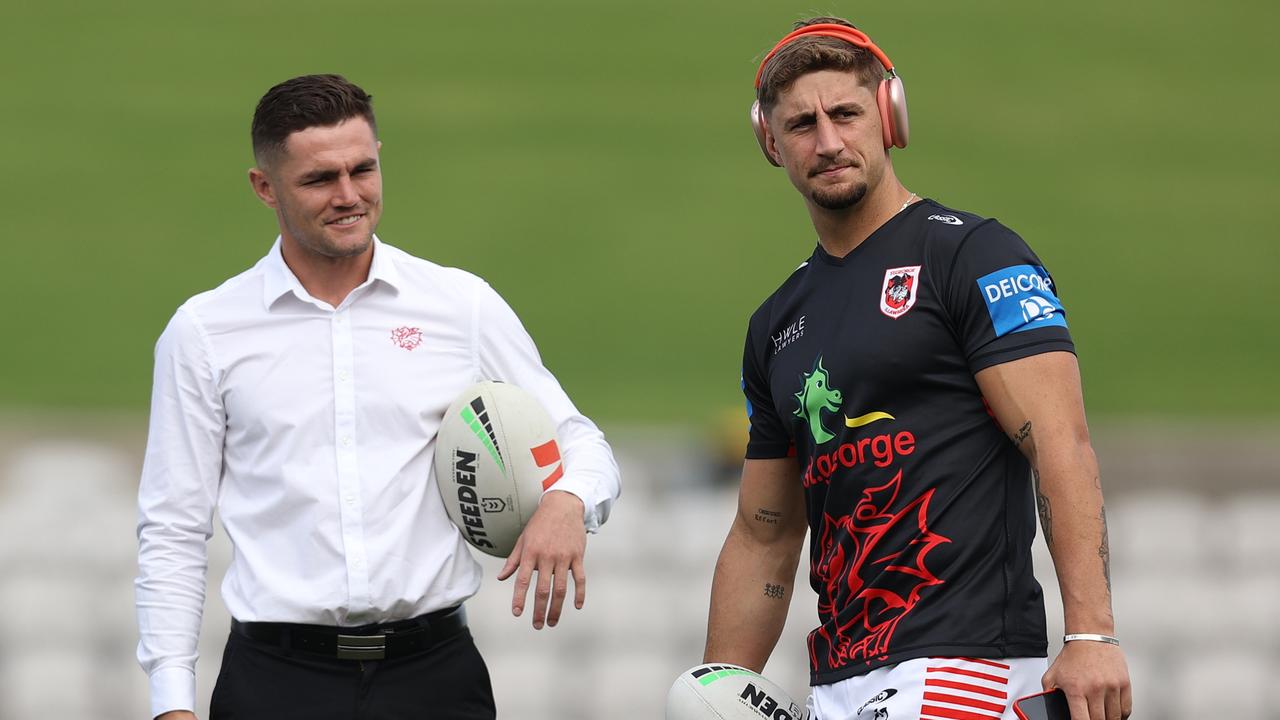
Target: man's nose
{"type": "Point", "coordinates": [344, 194]}
{"type": "Point", "coordinates": [829, 142]}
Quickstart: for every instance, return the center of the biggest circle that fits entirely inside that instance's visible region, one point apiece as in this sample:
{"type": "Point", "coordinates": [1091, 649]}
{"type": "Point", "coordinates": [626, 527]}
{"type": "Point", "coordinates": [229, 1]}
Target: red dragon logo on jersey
{"type": "Point", "coordinates": [871, 572]}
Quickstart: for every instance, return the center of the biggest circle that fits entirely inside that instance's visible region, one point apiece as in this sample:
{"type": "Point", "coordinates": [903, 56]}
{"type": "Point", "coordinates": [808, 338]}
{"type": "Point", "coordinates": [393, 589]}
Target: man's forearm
{"type": "Point", "coordinates": [750, 594]}
{"type": "Point", "coordinates": [1073, 518]}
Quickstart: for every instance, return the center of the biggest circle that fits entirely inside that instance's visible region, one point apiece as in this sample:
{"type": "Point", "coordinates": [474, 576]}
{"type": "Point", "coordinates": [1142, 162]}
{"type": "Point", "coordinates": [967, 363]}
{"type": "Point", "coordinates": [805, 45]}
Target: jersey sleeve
{"type": "Point", "coordinates": [768, 434]}
{"type": "Point", "coordinates": [1003, 301]}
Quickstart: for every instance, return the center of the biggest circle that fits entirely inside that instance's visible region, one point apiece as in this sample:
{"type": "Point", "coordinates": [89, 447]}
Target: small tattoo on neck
{"type": "Point", "coordinates": [774, 591]}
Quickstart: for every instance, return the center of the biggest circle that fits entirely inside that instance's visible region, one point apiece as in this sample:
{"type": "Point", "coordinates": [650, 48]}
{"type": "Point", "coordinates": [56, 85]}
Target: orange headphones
{"type": "Point", "coordinates": [891, 97]}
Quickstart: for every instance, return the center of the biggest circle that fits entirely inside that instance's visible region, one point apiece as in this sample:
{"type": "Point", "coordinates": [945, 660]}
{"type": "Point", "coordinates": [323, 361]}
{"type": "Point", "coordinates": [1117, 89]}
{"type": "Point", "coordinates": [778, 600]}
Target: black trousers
{"type": "Point", "coordinates": [263, 682]}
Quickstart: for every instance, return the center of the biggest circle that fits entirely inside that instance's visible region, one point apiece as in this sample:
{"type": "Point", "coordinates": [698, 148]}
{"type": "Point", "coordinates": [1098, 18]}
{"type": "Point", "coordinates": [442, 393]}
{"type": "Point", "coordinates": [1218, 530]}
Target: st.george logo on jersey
{"type": "Point", "coordinates": [899, 292]}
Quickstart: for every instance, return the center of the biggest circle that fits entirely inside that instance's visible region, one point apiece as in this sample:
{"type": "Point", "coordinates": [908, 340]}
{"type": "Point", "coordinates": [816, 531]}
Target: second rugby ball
{"type": "Point", "coordinates": [720, 691]}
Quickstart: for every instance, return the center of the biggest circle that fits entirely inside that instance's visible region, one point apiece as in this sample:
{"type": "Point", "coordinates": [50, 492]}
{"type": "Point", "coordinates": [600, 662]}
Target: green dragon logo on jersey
{"type": "Point", "coordinates": [816, 395]}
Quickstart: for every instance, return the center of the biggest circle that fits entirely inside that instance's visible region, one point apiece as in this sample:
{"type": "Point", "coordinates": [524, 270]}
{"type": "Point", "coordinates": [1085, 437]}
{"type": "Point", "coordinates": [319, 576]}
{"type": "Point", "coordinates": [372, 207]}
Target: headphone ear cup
{"type": "Point", "coordinates": [886, 113]}
{"type": "Point", "coordinates": [893, 96]}
{"type": "Point", "coordinates": [758, 125]}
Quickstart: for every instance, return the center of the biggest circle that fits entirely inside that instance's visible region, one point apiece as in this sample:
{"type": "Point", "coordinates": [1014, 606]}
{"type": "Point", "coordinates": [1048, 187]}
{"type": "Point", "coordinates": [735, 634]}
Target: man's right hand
{"type": "Point", "coordinates": [177, 715]}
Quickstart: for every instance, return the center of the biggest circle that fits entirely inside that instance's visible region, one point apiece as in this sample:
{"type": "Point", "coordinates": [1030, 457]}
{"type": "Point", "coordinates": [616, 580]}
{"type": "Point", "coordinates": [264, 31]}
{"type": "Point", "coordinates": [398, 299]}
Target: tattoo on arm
{"type": "Point", "coordinates": [1104, 550]}
{"type": "Point", "coordinates": [1023, 433]}
{"type": "Point", "coordinates": [770, 517]}
{"type": "Point", "coordinates": [774, 591]}
{"type": "Point", "coordinates": [1046, 513]}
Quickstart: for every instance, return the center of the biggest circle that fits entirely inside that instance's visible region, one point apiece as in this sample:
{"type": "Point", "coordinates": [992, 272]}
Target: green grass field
{"type": "Point", "coordinates": [593, 161]}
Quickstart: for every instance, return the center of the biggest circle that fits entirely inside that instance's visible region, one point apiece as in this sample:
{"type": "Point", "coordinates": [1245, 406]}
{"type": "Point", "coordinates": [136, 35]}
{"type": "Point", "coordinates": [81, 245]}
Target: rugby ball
{"type": "Point", "coordinates": [496, 453]}
{"type": "Point", "coordinates": [717, 691]}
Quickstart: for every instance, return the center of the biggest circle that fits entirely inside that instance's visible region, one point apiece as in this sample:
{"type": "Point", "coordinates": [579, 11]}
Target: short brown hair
{"type": "Point", "coordinates": [811, 53]}
{"type": "Point", "coordinates": [303, 102]}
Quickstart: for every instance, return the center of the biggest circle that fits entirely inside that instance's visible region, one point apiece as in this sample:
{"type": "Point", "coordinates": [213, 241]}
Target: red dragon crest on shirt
{"type": "Point", "coordinates": [868, 584]}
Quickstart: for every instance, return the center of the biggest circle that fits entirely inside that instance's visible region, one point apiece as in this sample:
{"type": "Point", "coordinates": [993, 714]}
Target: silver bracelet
{"type": "Point", "coordinates": [1108, 639]}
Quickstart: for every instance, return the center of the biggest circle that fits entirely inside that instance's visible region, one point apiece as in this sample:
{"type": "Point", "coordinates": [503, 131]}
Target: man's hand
{"type": "Point", "coordinates": [177, 715]}
{"type": "Point", "coordinates": [553, 544]}
{"type": "Point", "coordinates": [1095, 678]}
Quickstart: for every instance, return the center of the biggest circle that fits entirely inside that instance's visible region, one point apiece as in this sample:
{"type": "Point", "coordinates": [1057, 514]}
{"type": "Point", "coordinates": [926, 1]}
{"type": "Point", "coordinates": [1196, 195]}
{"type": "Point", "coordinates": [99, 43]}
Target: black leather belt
{"type": "Point", "coordinates": [366, 642]}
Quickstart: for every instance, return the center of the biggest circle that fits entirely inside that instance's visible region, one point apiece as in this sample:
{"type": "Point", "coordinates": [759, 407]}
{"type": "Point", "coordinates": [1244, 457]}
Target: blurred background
{"type": "Point", "coordinates": [593, 161]}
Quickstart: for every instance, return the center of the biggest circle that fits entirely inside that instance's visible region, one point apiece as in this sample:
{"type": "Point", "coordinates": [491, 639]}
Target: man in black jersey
{"type": "Point", "coordinates": [913, 393]}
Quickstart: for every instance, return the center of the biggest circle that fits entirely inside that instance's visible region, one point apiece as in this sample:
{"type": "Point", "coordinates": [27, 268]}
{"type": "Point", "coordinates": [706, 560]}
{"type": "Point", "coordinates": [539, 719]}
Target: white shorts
{"type": "Point", "coordinates": [931, 689]}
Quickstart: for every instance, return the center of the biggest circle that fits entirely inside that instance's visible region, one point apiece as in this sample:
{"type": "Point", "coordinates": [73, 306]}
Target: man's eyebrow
{"type": "Point", "coordinates": [808, 115]}
{"type": "Point", "coordinates": [326, 174]}
{"type": "Point", "coordinates": [318, 175]}
{"type": "Point", "coordinates": [847, 106]}
{"type": "Point", "coordinates": [790, 120]}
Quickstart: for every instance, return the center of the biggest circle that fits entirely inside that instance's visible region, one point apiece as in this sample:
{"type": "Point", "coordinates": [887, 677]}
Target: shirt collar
{"type": "Point", "coordinates": [383, 268]}
{"type": "Point", "coordinates": [279, 280]}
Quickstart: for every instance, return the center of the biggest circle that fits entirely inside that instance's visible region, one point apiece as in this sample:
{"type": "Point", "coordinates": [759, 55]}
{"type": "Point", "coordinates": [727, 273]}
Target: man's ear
{"type": "Point", "coordinates": [262, 187]}
{"type": "Point", "coordinates": [770, 146]}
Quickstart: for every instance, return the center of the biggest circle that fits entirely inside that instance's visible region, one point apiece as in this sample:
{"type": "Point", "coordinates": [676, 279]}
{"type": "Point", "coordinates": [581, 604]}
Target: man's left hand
{"type": "Point", "coordinates": [553, 544]}
{"type": "Point", "coordinates": [1095, 678]}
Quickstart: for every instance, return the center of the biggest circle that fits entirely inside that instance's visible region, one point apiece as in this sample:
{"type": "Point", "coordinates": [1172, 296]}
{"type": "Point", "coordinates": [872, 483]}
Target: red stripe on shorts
{"type": "Point", "coordinates": [934, 711]}
{"type": "Point", "coordinates": [967, 702]}
{"type": "Point", "coordinates": [982, 661]}
{"type": "Point", "coordinates": [967, 687]}
{"type": "Point", "coordinates": [971, 673]}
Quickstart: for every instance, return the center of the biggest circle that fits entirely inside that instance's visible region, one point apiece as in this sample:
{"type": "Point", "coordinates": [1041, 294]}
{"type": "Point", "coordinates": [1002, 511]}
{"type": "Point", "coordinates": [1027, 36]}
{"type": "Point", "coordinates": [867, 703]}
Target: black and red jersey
{"type": "Point", "coordinates": [920, 507]}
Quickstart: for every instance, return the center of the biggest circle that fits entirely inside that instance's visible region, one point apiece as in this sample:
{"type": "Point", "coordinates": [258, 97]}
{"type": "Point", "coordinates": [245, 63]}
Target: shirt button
{"type": "Point", "coordinates": [342, 375]}
{"type": "Point", "coordinates": [346, 441]}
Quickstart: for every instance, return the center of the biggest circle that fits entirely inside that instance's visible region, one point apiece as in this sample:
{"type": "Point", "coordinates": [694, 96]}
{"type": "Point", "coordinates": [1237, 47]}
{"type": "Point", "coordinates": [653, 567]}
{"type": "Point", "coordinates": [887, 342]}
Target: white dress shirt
{"type": "Point", "coordinates": [312, 430]}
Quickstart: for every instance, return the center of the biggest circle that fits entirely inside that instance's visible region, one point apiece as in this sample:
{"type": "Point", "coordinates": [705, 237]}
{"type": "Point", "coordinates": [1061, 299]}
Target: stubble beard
{"type": "Point", "coordinates": [335, 250]}
{"type": "Point", "coordinates": [839, 198]}
{"type": "Point", "coordinates": [317, 242]}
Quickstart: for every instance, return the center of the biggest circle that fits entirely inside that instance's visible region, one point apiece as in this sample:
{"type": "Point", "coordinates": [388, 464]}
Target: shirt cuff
{"type": "Point", "coordinates": [581, 490]}
{"type": "Point", "coordinates": [172, 688]}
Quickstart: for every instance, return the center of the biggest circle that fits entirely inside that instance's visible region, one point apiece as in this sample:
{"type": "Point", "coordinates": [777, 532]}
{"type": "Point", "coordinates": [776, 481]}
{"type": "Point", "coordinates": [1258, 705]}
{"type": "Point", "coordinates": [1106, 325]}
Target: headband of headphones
{"type": "Point", "coordinates": [891, 97]}
{"type": "Point", "coordinates": [841, 32]}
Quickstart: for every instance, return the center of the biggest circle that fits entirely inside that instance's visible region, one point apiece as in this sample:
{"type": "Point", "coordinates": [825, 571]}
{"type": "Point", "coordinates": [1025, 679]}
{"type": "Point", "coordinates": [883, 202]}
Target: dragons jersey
{"type": "Point", "coordinates": [920, 508]}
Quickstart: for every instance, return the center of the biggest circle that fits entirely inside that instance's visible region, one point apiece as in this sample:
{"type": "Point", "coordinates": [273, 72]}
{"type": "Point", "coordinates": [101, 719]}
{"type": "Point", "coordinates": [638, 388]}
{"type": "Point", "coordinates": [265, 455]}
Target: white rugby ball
{"type": "Point", "coordinates": [718, 691]}
{"type": "Point", "coordinates": [496, 453]}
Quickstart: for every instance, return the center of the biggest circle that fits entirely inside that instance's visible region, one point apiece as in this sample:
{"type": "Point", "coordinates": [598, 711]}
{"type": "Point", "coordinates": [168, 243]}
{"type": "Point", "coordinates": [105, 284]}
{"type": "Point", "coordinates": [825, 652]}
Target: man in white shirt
{"type": "Point", "coordinates": [288, 400]}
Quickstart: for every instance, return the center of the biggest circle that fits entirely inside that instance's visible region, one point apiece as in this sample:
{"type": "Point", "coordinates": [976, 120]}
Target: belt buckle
{"type": "Point", "coordinates": [362, 647]}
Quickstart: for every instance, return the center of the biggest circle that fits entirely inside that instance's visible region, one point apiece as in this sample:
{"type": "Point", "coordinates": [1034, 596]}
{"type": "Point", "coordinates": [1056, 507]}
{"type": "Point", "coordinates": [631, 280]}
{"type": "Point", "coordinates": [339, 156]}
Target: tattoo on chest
{"type": "Point", "coordinates": [770, 517]}
{"type": "Point", "coordinates": [774, 591]}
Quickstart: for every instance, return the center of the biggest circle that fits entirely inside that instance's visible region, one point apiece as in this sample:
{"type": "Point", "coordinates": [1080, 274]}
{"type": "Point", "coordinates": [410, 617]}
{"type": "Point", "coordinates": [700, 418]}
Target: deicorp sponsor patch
{"type": "Point", "coordinates": [1021, 298]}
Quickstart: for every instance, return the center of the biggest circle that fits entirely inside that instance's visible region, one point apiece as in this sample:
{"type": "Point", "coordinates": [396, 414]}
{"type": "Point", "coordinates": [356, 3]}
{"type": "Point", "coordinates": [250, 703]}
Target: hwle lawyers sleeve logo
{"type": "Point", "coordinates": [788, 335]}
{"type": "Point", "coordinates": [1021, 297]}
